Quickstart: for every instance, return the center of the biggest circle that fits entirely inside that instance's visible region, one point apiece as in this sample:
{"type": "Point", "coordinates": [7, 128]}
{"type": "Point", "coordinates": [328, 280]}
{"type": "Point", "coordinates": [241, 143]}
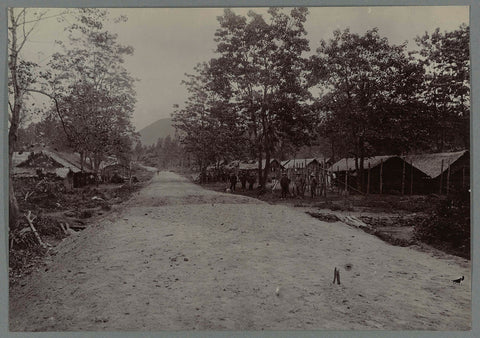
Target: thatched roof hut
{"type": "Point", "coordinates": [50, 161]}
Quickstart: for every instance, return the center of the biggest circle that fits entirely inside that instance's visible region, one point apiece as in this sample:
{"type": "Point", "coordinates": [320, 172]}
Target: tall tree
{"type": "Point", "coordinates": [446, 59]}
{"type": "Point", "coordinates": [370, 91]}
{"type": "Point", "coordinates": [209, 125]}
{"type": "Point", "coordinates": [21, 76]}
{"type": "Point", "coordinates": [260, 65]}
{"type": "Point", "coordinates": [93, 90]}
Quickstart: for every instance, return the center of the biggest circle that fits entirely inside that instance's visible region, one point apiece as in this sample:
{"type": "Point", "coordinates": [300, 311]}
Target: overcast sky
{"type": "Point", "coordinates": [169, 42]}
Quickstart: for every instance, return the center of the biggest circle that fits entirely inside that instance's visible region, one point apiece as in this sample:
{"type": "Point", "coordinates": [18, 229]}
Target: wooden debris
{"type": "Point", "coordinates": [30, 220]}
{"type": "Point", "coordinates": [336, 276]}
{"type": "Point", "coordinates": [353, 221]}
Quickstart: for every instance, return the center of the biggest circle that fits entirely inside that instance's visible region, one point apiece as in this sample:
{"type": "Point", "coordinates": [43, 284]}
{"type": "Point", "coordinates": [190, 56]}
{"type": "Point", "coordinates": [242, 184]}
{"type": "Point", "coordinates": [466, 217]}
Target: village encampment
{"type": "Point", "coordinates": [412, 174]}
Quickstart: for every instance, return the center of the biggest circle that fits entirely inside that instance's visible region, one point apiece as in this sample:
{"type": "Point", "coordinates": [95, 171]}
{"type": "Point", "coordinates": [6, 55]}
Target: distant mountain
{"type": "Point", "coordinates": [161, 128]}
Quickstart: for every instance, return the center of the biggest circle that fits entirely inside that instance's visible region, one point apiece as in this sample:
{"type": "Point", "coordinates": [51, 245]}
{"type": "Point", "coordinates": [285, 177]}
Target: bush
{"type": "Point", "coordinates": [449, 225]}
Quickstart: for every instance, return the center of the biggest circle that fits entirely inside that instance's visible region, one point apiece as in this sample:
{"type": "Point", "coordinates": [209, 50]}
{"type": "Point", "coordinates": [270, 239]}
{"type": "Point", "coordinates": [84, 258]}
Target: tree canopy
{"type": "Point", "coordinates": [94, 92]}
{"type": "Point", "coordinates": [259, 78]}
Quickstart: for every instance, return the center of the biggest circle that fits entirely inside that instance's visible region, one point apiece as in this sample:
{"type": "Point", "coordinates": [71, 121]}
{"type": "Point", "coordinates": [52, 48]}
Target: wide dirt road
{"type": "Point", "coordinates": [178, 257]}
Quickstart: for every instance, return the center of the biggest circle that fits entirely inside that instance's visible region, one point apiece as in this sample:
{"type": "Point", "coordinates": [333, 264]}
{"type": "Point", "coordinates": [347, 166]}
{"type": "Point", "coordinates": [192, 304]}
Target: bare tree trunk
{"type": "Point", "coordinates": [267, 168]}
{"type": "Point", "coordinates": [332, 144]}
{"type": "Point", "coordinates": [13, 210]}
{"type": "Point", "coordinates": [260, 174]}
{"type": "Point", "coordinates": [362, 165]}
{"type": "Point", "coordinates": [82, 159]}
{"type": "Point", "coordinates": [14, 121]}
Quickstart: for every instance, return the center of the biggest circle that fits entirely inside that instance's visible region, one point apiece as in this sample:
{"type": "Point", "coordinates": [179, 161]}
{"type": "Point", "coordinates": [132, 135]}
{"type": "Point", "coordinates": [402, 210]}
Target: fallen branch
{"type": "Point", "coordinates": [64, 228]}
{"type": "Point", "coordinates": [67, 230]}
{"type": "Point", "coordinates": [30, 220]}
{"type": "Point", "coordinates": [28, 194]}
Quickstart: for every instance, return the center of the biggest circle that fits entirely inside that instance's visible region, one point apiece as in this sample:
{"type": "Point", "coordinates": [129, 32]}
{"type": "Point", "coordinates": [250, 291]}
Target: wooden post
{"type": "Point", "coordinates": [324, 178]}
{"type": "Point", "coordinates": [381, 176]}
{"type": "Point", "coordinates": [338, 179]}
{"type": "Point", "coordinates": [441, 179]}
{"type": "Point", "coordinates": [368, 179]}
{"type": "Point", "coordinates": [346, 176]}
{"type": "Point", "coordinates": [403, 177]}
{"type": "Point", "coordinates": [448, 177]}
{"type": "Point", "coordinates": [411, 178]}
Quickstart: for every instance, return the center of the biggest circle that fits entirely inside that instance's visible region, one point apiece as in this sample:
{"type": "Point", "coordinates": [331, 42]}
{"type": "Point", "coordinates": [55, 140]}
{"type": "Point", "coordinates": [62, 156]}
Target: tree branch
{"type": "Point", "coordinates": [56, 107]}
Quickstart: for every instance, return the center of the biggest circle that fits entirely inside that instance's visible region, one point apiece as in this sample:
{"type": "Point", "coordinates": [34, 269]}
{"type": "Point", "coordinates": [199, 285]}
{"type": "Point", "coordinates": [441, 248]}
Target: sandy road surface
{"type": "Point", "coordinates": [177, 256]}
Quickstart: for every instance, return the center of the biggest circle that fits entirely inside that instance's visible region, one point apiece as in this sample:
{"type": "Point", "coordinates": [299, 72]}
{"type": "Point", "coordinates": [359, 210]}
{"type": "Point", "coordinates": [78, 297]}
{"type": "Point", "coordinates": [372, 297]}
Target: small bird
{"type": "Point", "coordinates": [458, 280]}
{"type": "Point", "coordinates": [277, 291]}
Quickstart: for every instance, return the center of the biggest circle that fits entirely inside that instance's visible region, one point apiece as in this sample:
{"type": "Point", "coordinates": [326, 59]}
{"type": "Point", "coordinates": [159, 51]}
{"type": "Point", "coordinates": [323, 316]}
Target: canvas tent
{"type": "Point", "coordinates": [442, 169]}
{"type": "Point", "coordinates": [382, 174]}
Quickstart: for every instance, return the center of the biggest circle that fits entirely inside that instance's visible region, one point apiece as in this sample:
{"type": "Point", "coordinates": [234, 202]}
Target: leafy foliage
{"type": "Point", "coordinates": [446, 87]}
{"type": "Point", "coordinates": [256, 87]}
{"type": "Point", "coordinates": [209, 125]}
{"type": "Point", "coordinates": [94, 91]}
{"type": "Point", "coordinates": [369, 93]}
{"type": "Point", "coordinates": [449, 225]}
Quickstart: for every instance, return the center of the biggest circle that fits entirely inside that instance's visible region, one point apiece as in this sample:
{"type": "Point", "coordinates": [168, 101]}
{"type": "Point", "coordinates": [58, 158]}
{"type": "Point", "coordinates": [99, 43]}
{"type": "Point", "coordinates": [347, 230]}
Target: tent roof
{"type": "Point", "coordinates": [431, 164]}
{"type": "Point", "coordinates": [349, 163]}
{"type": "Point", "coordinates": [297, 162]}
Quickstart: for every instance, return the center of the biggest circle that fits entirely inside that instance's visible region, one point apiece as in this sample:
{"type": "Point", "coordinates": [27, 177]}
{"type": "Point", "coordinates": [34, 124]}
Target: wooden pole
{"type": "Point", "coordinates": [411, 178]}
{"type": "Point", "coordinates": [441, 179]}
{"type": "Point", "coordinates": [368, 179]}
{"type": "Point", "coordinates": [403, 177]}
{"type": "Point", "coordinates": [448, 178]}
{"type": "Point", "coordinates": [381, 176]}
{"type": "Point", "coordinates": [324, 178]}
{"type": "Point", "coordinates": [338, 179]}
{"type": "Point", "coordinates": [346, 176]}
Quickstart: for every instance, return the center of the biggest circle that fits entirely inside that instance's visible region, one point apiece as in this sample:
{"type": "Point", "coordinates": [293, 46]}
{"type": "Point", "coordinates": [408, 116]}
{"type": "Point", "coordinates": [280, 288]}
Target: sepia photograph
{"type": "Point", "coordinates": [239, 169]}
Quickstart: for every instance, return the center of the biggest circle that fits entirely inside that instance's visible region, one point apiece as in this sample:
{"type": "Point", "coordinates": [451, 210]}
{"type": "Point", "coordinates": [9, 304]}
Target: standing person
{"type": "Point", "coordinates": [284, 183]}
{"type": "Point", "coordinates": [243, 180]}
{"type": "Point", "coordinates": [313, 185]}
{"type": "Point", "coordinates": [251, 181]}
{"type": "Point", "coordinates": [323, 188]}
{"type": "Point", "coordinates": [299, 184]}
{"type": "Point", "coordinates": [233, 182]}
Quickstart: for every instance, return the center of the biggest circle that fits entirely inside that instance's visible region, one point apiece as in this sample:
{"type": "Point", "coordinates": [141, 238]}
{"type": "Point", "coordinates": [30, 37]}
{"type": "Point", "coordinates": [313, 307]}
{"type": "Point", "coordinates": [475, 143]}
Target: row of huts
{"type": "Point", "coordinates": [410, 174]}
{"type": "Point", "coordinates": [43, 161]}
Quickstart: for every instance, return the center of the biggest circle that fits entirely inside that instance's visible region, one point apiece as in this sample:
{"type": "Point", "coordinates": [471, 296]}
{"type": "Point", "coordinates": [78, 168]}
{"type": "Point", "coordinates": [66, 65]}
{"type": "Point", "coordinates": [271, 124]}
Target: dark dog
{"type": "Point", "coordinates": [458, 280]}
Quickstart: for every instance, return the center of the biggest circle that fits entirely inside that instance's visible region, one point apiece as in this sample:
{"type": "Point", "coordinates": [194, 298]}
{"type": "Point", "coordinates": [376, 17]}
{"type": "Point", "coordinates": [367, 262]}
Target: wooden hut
{"type": "Point", "coordinates": [382, 174]}
{"type": "Point", "coordinates": [252, 168]}
{"type": "Point", "coordinates": [303, 166]}
{"type": "Point", "coordinates": [45, 161]}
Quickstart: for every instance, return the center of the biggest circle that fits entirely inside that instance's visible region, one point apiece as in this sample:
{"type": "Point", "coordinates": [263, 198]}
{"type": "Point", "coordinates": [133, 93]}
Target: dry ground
{"type": "Point", "coordinates": [179, 257]}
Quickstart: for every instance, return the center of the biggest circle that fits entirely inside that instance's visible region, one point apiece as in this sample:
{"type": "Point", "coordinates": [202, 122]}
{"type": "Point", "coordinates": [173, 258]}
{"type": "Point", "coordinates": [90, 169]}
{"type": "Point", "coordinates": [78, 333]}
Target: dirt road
{"type": "Point", "coordinates": [178, 257]}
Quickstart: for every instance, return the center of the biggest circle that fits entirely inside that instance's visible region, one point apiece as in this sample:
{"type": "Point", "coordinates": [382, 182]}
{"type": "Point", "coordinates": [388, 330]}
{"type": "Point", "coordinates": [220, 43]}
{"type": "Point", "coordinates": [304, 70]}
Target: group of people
{"type": "Point", "coordinates": [244, 178]}
{"type": "Point", "coordinates": [300, 185]}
